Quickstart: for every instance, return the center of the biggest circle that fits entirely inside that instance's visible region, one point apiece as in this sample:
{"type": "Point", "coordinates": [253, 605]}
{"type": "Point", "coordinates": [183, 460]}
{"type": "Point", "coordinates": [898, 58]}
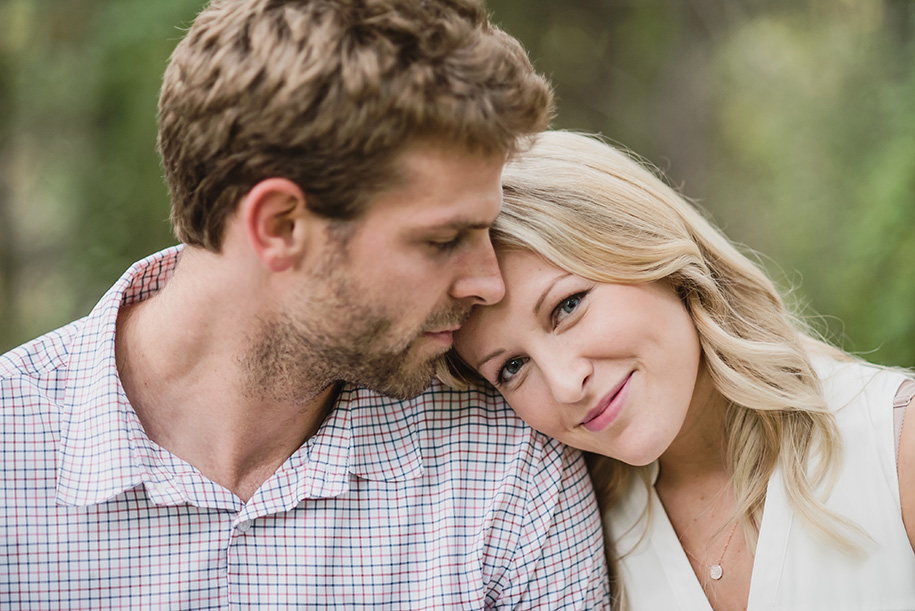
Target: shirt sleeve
{"type": "Point", "coordinates": [559, 561]}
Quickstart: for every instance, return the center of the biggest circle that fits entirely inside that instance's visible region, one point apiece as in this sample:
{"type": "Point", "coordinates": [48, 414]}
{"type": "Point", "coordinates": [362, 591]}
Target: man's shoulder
{"type": "Point", "coordinates": [440, 406]}
{"type": "Point", "coordinates": [33, 380]}
{"type": "Point", "coordinates": [40, 356]}
{"type": "Point", "coordinates": [473, 424]}
{"type": "Point", "coordinates": [473, 402]}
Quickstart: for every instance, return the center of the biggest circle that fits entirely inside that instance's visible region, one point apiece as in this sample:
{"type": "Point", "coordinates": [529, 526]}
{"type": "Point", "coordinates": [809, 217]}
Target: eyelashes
{"type": "Point", "coordinates": [566, 307]}
{"type": "Point", "coordinates": [515, 363]}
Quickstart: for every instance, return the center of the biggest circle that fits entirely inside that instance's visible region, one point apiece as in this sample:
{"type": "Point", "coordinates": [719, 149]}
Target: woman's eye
{"type": "Point", "coordinates": [567, 306]}
{"type": "Point", "coordinates": [509, 370]}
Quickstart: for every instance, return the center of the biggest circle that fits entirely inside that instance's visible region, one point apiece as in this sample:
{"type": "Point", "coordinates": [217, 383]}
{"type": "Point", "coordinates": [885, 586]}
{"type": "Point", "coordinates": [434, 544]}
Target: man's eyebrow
{"type": "Point", "coordinates": [546, 292]}
{"type": "Point", "coordinates": [460, 224]}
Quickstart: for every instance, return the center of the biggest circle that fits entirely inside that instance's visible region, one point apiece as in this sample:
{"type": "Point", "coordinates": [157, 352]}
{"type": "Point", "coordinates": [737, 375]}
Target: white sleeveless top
{"type": "Point", "coordinates": [792, 569]}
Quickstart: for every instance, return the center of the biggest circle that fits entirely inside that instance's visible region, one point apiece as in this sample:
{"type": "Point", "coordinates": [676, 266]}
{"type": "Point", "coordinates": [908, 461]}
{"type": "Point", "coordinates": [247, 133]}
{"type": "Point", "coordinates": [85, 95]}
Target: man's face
{"type": "Point", "coordinates": [382, 300]}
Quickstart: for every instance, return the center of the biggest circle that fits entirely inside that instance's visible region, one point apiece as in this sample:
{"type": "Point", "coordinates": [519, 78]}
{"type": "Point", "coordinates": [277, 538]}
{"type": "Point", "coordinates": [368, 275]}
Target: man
{"type": "Point", "coordinates": [235, 424]}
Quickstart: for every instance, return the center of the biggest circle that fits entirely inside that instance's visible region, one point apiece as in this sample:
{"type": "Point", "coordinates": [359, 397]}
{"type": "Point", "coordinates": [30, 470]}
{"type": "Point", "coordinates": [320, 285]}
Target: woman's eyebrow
{"type": "Point", "coordinates": [488, 358]}
{"type": "Point", "coordinates": [535, 310]}
{"type": "Point", "coordinates": [546, 292]}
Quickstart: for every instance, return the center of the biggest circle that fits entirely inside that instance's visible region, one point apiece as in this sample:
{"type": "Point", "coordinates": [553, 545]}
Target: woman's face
{"type": "Point", "coordinates": [608, 368]}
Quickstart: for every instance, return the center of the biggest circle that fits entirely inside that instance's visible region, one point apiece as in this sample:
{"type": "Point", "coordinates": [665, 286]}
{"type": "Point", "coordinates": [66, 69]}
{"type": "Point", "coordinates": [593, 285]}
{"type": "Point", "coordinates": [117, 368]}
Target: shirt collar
{"type": "Point", "coordinates": [366, 435]}
{"type": "Point", "coordinates": [385, 433]}
{"type": "Point", "coordinates": [98, 455]}
{"type": "Point", "coordinates": [104, 450]}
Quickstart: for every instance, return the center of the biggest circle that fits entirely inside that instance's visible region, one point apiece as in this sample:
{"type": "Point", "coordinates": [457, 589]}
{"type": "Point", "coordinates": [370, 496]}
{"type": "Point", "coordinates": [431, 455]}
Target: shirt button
{"type": "Point", "coordinates": [244, 526]}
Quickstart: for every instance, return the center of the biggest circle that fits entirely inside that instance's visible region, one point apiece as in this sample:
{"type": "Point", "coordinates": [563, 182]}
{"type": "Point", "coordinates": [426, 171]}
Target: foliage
{"type": "Point", "coordinates": [81, 196]}
{"type": "Point", "coordinates": [793, 123]}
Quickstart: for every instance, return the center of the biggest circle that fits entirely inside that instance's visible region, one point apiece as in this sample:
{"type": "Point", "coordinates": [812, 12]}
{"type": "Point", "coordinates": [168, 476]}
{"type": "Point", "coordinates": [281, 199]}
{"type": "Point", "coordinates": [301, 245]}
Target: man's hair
{"type": "Point", "coordinates": [326, 93]}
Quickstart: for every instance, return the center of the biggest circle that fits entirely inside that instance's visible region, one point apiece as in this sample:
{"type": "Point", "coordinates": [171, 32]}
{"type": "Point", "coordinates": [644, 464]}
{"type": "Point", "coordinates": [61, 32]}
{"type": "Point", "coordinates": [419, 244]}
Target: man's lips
{"type": "Point", "coordinates": [443, 327]}
{"type": "Point", "coordinates": [445, 335]}
{"type": "Point", "coordinates": [605, 412]}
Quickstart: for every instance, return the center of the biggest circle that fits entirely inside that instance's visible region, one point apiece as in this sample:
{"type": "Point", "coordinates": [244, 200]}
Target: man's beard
{"type": "Point", "coordinates": [293, 361]}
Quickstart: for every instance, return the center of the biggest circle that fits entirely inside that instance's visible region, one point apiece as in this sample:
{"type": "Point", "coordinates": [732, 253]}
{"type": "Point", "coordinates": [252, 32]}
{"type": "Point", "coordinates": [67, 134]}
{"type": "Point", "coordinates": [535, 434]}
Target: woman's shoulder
{"type": "Point", "coordinates": [847, 380]}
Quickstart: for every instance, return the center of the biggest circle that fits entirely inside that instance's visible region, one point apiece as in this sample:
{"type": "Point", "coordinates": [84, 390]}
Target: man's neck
{"type": "Point", "coordinates": [179, 361]}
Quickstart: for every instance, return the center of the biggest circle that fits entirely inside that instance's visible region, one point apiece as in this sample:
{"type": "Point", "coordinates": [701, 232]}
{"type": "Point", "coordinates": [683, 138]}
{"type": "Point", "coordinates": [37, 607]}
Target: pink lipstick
{"type": "Point", "coordinates": [605, 412]}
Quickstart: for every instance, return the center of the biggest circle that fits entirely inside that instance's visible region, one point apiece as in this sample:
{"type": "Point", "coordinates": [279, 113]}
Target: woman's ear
{"type": "Point", "coordinates": [276, 218]}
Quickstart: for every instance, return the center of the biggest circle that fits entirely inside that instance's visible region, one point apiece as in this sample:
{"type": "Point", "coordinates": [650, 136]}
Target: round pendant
{"type": "Point", "coordinates": [715, 572]}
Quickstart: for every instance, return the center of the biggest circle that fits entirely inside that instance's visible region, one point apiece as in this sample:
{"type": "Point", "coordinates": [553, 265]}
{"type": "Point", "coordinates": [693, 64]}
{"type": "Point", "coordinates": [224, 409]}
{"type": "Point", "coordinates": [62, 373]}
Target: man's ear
{"type": "Point", "coordinates": [276, 222]}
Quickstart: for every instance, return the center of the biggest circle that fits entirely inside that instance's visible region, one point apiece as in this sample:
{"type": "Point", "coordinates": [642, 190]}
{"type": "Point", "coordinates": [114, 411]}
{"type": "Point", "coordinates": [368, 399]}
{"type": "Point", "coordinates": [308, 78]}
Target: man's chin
{"type": "Point", "coordinates": [405, 374]}
{"type": "Point", "coordinates": [409, 381]}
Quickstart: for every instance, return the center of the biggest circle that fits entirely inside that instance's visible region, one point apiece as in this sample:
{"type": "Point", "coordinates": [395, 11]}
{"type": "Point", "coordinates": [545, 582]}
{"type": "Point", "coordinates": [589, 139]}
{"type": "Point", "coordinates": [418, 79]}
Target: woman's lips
{"type": "Point", "coordinates": [605, 412]}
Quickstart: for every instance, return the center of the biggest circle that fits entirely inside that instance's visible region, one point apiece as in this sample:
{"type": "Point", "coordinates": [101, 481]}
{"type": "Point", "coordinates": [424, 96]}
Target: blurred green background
{"type": "Point", "coordinates": [791, 121]}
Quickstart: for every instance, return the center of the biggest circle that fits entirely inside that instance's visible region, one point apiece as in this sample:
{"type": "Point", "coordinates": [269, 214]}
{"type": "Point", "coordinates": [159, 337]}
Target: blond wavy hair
{"type": "Point", "coordinates": [597, 212]}
{"type": "Point", "coordinates": [326, 93]}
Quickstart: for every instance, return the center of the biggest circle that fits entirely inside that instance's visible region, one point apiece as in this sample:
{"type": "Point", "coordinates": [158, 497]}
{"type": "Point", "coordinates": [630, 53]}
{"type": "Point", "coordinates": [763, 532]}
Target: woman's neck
{"type": "Point", "coordinates": [700, 448]}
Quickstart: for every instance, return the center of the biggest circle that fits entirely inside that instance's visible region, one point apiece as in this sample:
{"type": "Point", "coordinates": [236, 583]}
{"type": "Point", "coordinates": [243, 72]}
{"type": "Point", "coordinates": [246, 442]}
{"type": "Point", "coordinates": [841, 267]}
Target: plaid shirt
{"type": "Point", "coordinates": [446, 501]}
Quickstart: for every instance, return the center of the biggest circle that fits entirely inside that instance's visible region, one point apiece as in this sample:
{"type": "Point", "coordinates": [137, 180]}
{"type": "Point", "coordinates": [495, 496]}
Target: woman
{"type": "Point", "coordinates": [632, 329]}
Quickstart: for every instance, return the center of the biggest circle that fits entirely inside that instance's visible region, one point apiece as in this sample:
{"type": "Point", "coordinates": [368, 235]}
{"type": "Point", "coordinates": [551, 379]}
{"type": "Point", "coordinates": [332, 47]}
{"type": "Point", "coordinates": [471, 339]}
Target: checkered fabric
{"type": "Point", "coordinates": [447, 501]}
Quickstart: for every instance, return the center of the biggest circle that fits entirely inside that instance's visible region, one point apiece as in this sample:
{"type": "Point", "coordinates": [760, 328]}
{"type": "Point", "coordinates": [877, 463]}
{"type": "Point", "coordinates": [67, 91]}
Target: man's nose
{"type": "Point", "coordinates": [481, 281]}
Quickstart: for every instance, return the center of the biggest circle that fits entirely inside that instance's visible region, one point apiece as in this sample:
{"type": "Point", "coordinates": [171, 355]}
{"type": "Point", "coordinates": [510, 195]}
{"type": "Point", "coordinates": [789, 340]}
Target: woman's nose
{"type": "Point", "coordinates": [567, 375]}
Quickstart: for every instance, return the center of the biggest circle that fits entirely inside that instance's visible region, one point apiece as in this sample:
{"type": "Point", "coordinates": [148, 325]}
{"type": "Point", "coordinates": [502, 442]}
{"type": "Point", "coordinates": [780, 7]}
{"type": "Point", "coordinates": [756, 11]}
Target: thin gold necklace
{"type": "Point", "coordinates": [715, 571]}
